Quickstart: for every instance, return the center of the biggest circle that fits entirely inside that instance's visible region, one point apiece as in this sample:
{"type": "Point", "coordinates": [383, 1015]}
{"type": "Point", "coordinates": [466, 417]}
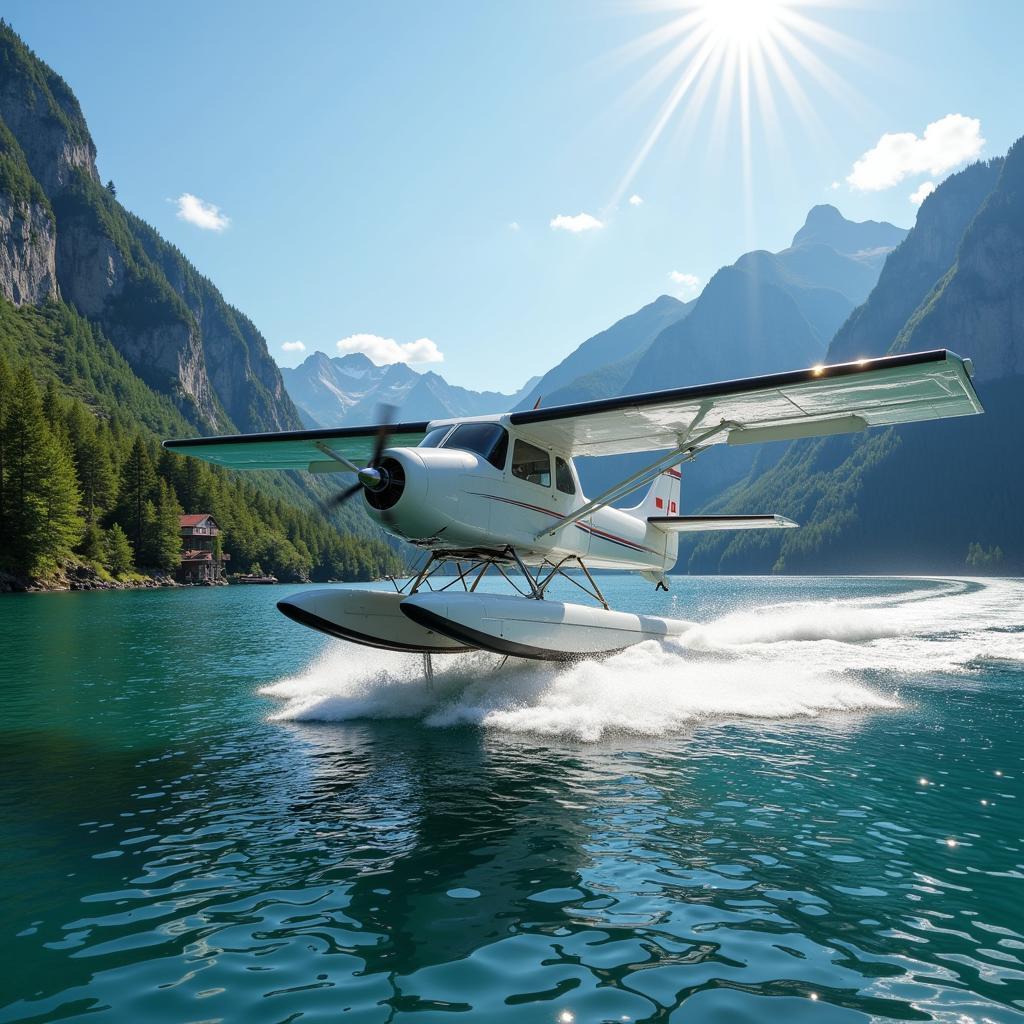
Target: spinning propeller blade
{"type": "Point", "coordinates": [343, 496]}
{"type": "Point", "coordinates": [386, 418]}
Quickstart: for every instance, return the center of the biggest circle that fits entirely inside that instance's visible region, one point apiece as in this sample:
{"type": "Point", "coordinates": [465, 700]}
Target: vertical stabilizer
{"type": "Point", "coordinates": [662, 499]}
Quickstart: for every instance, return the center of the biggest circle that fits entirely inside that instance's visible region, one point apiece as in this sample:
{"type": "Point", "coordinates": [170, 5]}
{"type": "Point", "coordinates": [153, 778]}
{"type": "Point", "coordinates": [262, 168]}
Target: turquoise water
{"type": "Point", "coordinates": [809, 808]}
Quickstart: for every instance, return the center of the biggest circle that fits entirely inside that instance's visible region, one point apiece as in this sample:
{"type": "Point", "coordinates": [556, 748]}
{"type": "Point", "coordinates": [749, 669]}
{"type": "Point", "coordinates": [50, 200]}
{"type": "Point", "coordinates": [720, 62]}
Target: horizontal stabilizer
{"type": "Point", "coordinates": [693, 524]}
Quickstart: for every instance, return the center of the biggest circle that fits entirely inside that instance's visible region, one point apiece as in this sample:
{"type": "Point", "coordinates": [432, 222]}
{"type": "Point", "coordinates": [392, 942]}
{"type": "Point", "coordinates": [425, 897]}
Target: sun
{"type": "Point", "coordinates": [738, 58]}
{"type": "Point", "coordinates": [740, 22]}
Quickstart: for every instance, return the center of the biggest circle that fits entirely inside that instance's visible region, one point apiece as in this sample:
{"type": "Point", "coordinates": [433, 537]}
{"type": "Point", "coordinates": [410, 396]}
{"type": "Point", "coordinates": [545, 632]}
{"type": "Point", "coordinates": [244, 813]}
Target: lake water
{"type": "Point", "coordinates": [810, 808]}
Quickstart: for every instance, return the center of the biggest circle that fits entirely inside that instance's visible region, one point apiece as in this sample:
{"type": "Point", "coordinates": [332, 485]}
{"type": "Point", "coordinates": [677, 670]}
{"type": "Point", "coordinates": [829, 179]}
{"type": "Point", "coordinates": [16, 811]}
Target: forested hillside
{"type": "Point", "coordinates": [110, 341]}
{"type": "Point", "coordinates": [83, 480]}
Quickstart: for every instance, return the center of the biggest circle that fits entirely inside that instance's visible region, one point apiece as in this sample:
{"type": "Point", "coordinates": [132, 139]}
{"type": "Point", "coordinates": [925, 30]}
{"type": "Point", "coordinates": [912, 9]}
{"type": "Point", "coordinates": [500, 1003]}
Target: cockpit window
{"type": "Point", "coordinates": [489, 440]}
{"type": "Point", "coordinates": [531, 463]}
{"type": "Point", "coordinates": [434, 437]}
{"type": "Point", "coordinates": [563, 477]}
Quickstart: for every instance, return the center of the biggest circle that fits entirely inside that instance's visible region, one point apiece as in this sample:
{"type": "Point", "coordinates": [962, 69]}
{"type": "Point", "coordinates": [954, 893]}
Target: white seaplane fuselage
{"type": "Point", "coordinates": [457, 500]}
{"type": "Point", "coordinates": [499, 498]}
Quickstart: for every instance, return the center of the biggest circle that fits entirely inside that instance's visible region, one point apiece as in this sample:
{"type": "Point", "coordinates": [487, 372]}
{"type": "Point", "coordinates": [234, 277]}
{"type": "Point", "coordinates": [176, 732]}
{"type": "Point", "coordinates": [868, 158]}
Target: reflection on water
{"type": "Point", "coordinates": [772, 819]}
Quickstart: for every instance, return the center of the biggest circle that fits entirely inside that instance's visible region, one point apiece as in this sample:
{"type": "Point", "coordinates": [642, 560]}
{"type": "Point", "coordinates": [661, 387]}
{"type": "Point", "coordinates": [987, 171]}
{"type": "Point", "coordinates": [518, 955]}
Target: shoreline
{"type": "Point", "coordinates": [83, 579]}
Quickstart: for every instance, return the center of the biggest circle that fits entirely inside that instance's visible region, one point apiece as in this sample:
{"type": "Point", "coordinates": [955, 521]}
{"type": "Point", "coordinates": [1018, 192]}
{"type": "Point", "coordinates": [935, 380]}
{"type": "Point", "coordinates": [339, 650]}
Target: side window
{"type": "Point", "coordinates": [563, 477]}
{"type": "Point", "coordinates": [531, 463]}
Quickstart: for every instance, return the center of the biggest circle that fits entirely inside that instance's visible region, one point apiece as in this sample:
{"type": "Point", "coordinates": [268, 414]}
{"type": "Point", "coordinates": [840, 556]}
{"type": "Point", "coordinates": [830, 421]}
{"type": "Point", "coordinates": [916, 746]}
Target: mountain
{"type": "Point", "coordinates": [765, 313]}
{"type": "Point", "coordinates": [602, 364]}
{"type": "Point", "coordinates": [109, 341]}
{"type": "Point", "coordinates": [916, 265]}
{"type": "Point", "coordinates": [771, 311]}
{"type": "Point", "coordinates": [75, 241]}
{"type": "Point", "coordinates": [931, 497]}
{"type": "Point", "coordinates": [825, 225]}
{"type": "Point", "coordinates": [345, 390]}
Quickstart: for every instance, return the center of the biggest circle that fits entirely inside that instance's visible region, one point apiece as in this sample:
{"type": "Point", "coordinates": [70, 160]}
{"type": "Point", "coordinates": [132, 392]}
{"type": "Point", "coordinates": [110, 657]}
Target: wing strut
{"type": "Point", "coordinates": [683, 452]}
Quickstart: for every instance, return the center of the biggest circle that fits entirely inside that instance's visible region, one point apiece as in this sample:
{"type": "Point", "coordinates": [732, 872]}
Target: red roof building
{"type": "Point", "coordinates": [202, 560]}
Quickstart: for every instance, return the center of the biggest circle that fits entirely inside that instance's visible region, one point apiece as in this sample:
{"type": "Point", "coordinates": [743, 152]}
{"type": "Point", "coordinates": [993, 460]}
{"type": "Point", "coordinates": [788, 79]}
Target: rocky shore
{"type": "Point", "coordinates": [83, 577]}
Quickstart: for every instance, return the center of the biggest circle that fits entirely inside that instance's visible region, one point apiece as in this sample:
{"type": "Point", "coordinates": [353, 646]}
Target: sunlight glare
{"type": "Point", "coordinates": [733, 55]}
{"type": "Point", "coordinates": [742, 21]}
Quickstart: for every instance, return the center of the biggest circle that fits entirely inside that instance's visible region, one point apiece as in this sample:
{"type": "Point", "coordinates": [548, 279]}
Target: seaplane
{"type": "Point", "coordinates": [501, 494]}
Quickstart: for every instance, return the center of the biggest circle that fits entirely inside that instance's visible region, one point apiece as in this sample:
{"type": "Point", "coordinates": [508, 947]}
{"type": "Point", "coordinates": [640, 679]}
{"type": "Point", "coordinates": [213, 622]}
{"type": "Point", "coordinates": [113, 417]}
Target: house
{"type": "Point", "coordinates": [202, 560]}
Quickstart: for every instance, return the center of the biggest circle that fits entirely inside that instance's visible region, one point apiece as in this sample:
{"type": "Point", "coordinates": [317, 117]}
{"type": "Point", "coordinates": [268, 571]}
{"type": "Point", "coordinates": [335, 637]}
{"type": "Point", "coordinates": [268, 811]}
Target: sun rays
{"type": "Point", "coordinates": [738, 59]}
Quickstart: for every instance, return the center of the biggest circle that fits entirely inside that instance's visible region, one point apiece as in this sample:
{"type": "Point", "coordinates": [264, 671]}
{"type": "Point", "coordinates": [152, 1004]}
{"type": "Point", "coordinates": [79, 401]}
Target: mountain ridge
{"type": "Point", "coordinates": [935, 497]}
{"type": "Point", "coordinates": [332, 391]}
{"type": "Point", "coordinates": [168, 320]}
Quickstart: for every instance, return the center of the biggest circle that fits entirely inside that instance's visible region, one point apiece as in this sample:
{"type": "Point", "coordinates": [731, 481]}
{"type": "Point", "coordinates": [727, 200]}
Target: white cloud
{"type": "Point", "coordinates": [576, 224]}
{"type": "Point", "coordinates": [834, 186]}
{"type": "Point", "coordinates": [384, 351]}
{"type": "Point", "coordinates": [293, 346]}
{"type": "Point", "coordinates": [201, 213]}
{"type": "Point", "coordinates": [946, 143]}
{"type": "Point", "coordinates": [922, 192]}
{"type": "Point", "coordinates": [687, 284]}
{"type": "Point", "coordinates": [635, 200]}
{"type": "Point", "coordinates": [513, 225]}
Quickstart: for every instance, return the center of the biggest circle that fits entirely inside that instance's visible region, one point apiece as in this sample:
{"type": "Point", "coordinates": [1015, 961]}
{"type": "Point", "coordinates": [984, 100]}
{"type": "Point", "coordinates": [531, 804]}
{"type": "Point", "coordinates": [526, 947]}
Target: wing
{"type": "Point", "coordinates": [783, 406]}
{"type": "Point", "coordinates": [295, 449]}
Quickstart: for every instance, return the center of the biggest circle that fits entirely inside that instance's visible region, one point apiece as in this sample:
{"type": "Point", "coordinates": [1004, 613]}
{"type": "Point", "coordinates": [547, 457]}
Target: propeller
{"type": "Point", "coordinates": [372, 477]}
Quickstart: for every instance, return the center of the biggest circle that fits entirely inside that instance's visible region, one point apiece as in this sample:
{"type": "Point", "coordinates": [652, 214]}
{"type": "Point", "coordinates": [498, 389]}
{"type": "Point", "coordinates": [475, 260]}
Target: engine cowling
{"type": "Point", "coordinates": [423, 494]}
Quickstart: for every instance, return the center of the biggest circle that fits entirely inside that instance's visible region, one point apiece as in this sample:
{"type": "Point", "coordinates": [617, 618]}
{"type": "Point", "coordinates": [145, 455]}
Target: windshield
{"type": "Point", "coordinates": [488, 440]}
{"type": "Point", "coordinates": [434, 437]}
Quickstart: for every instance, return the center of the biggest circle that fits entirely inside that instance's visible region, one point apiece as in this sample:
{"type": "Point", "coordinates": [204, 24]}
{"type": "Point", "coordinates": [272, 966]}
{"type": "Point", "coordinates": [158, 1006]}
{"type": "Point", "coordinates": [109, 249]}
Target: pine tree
{"type": "Point", "coordinates": [118, 552]}
{"type": "Point", "coordinates": [95, 474]}
{"type": "Point", "coordinates": [138, 486]}
{"type": "Point", "coordinates": [41, 497]}
{"type": "Point", "coordinates": [92, 546]}
{"type": "Point", "coordinates": [53, 407]}
{"type": "Point", "coordinates": [163, 549]}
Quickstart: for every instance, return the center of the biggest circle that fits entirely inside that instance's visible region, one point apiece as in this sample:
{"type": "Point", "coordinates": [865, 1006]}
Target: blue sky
{"type": "Point", "coordinates": [393, 169]}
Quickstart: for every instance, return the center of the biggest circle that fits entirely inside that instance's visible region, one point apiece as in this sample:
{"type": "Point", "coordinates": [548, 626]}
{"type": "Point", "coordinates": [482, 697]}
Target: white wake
{"type": "Point", "coordinates": [778, 661]}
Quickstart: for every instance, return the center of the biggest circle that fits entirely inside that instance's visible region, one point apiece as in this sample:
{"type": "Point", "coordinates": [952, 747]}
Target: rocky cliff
{"type": "Point", "coordinates": [64, 235]}
{"type": "Point", "coordinates": [28, 271]}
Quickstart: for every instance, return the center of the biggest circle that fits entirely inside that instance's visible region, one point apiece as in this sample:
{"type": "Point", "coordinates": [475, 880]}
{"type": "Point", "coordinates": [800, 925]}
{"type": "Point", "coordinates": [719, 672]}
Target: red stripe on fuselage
{"type": "Point", "coordinates": [586, 528]}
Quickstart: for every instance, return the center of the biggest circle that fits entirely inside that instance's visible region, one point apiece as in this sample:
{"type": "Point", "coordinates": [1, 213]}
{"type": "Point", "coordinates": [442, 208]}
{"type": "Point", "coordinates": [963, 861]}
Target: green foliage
{"type": "Point", "coordinates": [163, 533]}
{"type": "Point", "coordinates": [39, 518]}
{"type": "Point", "coordinates": [137, 489]}
{"type": "Point", "coordinates": [118, 556]}
{"type": "Point", "coordinates": [57, 342]}
{"type": "Point", "coordinates": [105, 425]}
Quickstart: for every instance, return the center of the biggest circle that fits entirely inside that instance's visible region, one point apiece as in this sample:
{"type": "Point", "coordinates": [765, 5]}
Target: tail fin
{"type": "Point", "coordinates": [662, 499]}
